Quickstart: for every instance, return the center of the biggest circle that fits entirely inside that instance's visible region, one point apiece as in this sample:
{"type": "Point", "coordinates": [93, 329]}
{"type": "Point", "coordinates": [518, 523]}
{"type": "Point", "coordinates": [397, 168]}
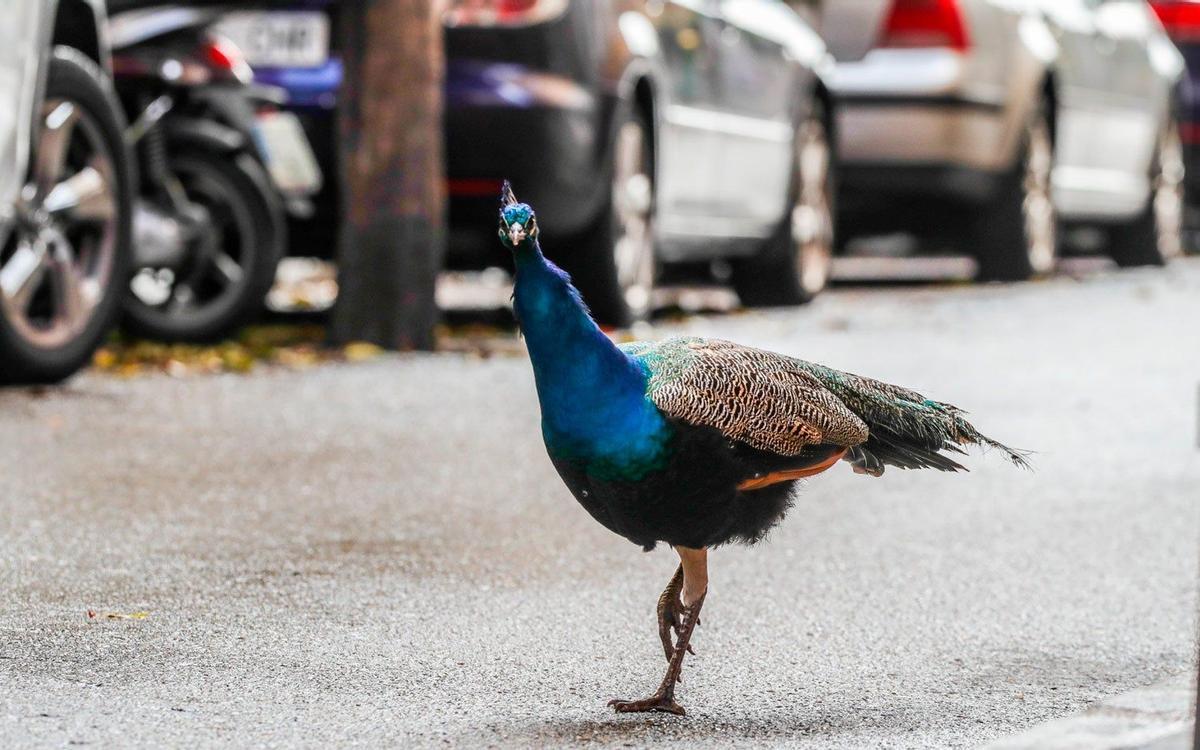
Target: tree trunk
{"type": "Point", "coordinates": [393, 203]}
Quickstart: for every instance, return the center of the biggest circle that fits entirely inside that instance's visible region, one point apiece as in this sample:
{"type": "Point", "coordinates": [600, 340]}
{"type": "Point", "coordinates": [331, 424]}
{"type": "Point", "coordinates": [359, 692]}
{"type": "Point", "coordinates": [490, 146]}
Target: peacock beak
{"type": "Point", "coordinates": [516, 233]}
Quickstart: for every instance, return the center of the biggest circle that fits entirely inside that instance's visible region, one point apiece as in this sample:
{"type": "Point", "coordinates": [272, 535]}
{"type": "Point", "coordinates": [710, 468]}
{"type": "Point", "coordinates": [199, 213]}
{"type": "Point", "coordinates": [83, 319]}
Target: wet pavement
{"type": "Point", "coordinates": [380, 553]}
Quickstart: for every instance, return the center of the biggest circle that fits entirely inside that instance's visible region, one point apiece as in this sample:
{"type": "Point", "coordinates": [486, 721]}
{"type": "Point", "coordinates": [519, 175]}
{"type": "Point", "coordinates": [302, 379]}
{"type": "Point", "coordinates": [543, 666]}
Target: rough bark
{"type": "Point", "coordinates": [393, 205]}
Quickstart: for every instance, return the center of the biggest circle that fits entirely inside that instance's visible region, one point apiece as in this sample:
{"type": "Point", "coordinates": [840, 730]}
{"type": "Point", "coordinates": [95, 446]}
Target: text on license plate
{"type": "Point", "coordinates": [292, 39]}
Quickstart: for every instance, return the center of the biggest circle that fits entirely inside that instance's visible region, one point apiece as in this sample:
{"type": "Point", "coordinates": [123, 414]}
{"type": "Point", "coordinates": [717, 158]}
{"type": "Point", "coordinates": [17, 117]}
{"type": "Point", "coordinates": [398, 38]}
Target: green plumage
{"type": "Point", "coordinates": [777, 403]}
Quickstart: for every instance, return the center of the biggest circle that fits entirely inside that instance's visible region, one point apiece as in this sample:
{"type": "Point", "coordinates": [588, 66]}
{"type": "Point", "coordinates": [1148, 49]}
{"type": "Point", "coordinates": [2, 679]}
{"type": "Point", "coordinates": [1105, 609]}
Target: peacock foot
{"type": "Point", "coordinates": [674, 618]}
{"type": "Point", "coordinates": [657, 702]}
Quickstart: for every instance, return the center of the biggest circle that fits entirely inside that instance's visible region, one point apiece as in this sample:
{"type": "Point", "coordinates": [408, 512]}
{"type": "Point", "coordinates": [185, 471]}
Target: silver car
{"type": "Point", "coordinates": [1015, 117]}
{"type": "Point", "coordinates": [65, 189]}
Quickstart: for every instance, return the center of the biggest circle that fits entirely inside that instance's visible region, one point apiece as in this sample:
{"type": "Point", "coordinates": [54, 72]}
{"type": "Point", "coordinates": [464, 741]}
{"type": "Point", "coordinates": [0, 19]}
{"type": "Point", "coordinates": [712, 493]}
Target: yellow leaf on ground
{"type": "Point", "coordinates": [357, 351]}
{"type": "Point", "coordinates": [104, 359]}
{"type": "Point", "coordinates": [140, 615]}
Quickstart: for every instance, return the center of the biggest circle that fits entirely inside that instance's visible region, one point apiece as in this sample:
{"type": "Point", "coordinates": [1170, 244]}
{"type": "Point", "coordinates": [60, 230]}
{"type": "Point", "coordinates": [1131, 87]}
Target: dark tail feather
{"type": "Point", "coordinates": [905, 429]}
{"type": "Point", "coordinates": [864, 461]}
{"type": "Point", "coordinates": [968, 435]}
{"type": "Point", "coordinates": [923, 448]}
{"type": "Point", "coordinates": [884, 448]}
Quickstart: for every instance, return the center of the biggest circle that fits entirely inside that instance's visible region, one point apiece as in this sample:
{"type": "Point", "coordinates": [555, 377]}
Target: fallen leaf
{"type": "Point", "coordinates": [104, 359]}
{"type": "Point", "coordinates": [359, 351]}
{"type": "Point", "coordinates": [140, 615]}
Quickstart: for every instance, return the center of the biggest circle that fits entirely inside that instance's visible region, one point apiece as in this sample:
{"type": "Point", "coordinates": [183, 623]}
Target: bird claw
{"type": "Point", "coordinates": [659, 703]}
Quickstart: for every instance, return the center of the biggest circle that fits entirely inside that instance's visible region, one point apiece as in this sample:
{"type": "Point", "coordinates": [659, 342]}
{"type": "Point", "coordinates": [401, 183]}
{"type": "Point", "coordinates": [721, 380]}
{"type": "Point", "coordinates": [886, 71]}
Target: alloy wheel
{"type": "Point", "coordinates": [812, 214]}
{"type": "Point", "coordinates": [633, 202]}
{"type": "Point", "coordinates": [1168, 199]}
{"type": "Point", "coordinates": [1037, 209]}
{"type": "Point", "coordinates": [57, 262]}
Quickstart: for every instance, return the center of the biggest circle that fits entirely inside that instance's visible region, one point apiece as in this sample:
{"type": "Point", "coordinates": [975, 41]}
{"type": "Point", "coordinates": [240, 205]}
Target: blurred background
{"type": "Point", "coordinates": [991, 201]}
{"type": "Point", "coordinates": [178, 171]}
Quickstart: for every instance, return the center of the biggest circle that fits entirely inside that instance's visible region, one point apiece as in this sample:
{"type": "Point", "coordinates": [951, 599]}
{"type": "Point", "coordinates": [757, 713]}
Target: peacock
{"type": "Point", "coordinates": [699, 442]}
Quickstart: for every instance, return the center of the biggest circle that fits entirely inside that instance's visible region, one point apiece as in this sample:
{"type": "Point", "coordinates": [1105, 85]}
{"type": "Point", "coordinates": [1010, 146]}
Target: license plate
{"type": "Point", "coordinates": [279, 39]}
{"type": "Point", "coordinates": [287, 153]}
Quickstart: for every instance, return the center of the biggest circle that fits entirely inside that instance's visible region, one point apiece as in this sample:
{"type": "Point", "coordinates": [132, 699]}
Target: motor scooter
{"type": "Point", "coordinates": [220, 166]}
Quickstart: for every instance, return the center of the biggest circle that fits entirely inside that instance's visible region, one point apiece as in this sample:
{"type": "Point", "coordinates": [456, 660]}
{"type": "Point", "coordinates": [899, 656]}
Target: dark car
{"type": "Point", "coordinates": [646, 133]}
{"type": "Point", "coordinates": [1181, 19]}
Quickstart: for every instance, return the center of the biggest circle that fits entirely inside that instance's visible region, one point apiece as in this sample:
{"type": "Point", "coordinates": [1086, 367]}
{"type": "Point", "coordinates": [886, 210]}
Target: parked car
{"type": "Point", "coordinates": [646, 133]}
{"type": "Point", "coordinates": [218, 164]}
{"type": "Point", "coordinates": [1181, 20]}
{"type": "Point", "coordinates": [998, 121]}
{"type": "Point", "coordinates": [65, 190]}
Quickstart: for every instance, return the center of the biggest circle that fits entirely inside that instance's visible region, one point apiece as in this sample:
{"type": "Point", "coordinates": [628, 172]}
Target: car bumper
{"type": "Point", "coordinates": [910, 120]}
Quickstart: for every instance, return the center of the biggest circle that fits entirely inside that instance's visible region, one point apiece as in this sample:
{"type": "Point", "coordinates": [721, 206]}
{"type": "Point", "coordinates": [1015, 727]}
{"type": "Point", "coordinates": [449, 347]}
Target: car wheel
{"type": "Point", "coordinates": [1016, 235]}
{"type": "Point", "coordinates": [63, 266]}
{"type": "Point", "coordinates": [795, 265]}
{"type": "Point", "coordinates": [234, 248]}
{"type": "Point", "coordinates": [1156, 234]}
{"type": "Point", "coordinates": [614, 265]}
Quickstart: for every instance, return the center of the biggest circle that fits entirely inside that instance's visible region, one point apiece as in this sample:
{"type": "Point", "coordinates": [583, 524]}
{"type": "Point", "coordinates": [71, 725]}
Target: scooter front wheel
{"type": "Point", "coordinates": [234, 234]}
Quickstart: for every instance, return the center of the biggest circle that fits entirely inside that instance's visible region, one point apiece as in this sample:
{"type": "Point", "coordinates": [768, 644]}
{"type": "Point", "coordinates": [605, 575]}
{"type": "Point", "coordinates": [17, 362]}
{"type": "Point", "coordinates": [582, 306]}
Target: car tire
{"type": "Point", "coordinates": [796, 263]}
{"type": "Point", "coordinates": [232, 266]}
{"type": "Point", "coordinates": [1155, 236]}
{"type": "Point", "coordinates": [1016, 233]}
{"type": "Point", "coordinates": [614, 264]}
{"type": "Point", "coordinates": [64, 265]}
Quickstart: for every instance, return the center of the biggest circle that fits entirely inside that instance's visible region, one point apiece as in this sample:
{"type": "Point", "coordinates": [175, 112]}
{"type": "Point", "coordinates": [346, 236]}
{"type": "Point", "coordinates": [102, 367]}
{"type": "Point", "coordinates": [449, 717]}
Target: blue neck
{"type": "Point", "coordinates": [592, 394]}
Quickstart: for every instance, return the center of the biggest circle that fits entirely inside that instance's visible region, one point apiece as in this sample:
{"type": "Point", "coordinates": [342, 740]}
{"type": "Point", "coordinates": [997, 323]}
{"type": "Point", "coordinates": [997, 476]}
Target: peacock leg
{"type": "Point", "coordinates": [691, 580]}
{"type": "Point", "coordinates": [670, 613]}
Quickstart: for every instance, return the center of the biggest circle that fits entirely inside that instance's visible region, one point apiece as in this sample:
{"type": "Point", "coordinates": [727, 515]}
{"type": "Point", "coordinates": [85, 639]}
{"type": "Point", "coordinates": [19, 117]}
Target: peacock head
{"type": "Point", "coordinates": [518, 223]}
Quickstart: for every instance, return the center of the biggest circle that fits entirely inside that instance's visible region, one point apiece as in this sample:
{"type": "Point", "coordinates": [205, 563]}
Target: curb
{"type": "Point", "coordinates": [1157, 717]}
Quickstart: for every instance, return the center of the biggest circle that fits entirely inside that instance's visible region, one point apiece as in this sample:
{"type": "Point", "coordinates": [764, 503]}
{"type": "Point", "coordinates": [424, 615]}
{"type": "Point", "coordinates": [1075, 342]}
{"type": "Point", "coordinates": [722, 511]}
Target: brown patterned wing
{"type": "Point", "coordinates": [760, 398]}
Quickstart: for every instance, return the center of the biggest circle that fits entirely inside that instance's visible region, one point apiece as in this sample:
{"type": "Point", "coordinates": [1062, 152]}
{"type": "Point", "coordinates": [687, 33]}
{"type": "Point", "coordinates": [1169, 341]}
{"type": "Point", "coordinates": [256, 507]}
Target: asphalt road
{"type": "Point", "coordinates": [380, 554]}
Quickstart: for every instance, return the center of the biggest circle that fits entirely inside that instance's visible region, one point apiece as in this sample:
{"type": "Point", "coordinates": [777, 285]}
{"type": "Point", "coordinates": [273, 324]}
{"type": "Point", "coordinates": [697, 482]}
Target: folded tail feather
{"type": "Point", "coordinates": [885, 448]}
{"type": "Point", "coordinates": [920, 440]}
{"type": "Point", "coordinates": [906, 430]}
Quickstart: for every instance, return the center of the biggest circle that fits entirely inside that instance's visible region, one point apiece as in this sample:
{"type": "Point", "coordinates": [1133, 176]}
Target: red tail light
{"type": "Point", "coordinates": [925, 23]}
{"type": "Point", "coordinates": [501, 12]}
{"type": "Point", "coordinates": [226, 58]}
{"type": "Point", "coordinates": [1180, 19]}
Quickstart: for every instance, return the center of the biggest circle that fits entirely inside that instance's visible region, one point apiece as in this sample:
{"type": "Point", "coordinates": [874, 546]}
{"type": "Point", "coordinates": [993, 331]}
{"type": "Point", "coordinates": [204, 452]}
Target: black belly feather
{"type": "Point", "coordinates": [694, 500]}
